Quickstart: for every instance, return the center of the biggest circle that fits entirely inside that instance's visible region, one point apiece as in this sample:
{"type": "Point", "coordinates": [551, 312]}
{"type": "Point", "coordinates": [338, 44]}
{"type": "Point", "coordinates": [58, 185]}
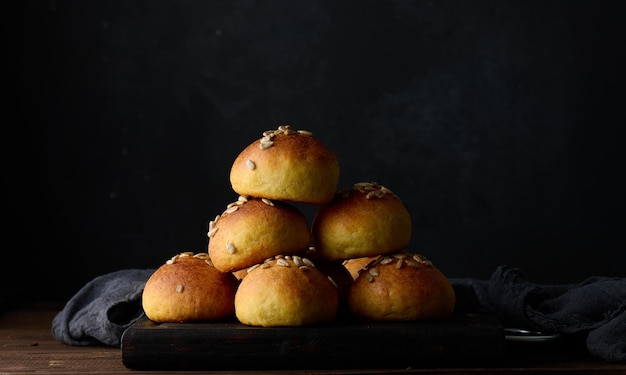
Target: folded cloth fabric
{"type": "Point", "coordinates": [101, 310]}
{"type": "Point", "coordinates": [595, 307]}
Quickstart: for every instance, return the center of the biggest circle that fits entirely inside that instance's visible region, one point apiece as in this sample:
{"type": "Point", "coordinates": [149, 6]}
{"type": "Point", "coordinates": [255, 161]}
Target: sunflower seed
{"type": "Point", "coordinates": [298, 261]}
{"type": "Point", "coordinates": [399, 263]}
{"type": "Point", "coordinates": [411, 263]}
{"type": "Point", "coordinates": [252, 268]}
{"type": "Point", "coordinates": [364, 185]}
{"type": "Point", "coordinates": [282, 262]}
{"type": "Point", "coordinates": [305, 132]}
{"type": "Point", "coordinates": [230, 248]}
{"type": "Point", "coordinates": [308, 262]}
{"type": "Point", "coordinates": [266, 144]}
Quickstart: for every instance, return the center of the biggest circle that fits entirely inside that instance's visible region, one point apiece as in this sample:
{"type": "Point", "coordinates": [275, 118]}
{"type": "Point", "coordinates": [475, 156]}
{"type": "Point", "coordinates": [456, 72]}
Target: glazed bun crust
{"type": "Point", "coordinates": [240, 274]}
{"type": "Point", "coordinates": [189, 289]}
{"type": "Point", "coordinates": [274, 295]}
{"type": "Point", "coordinates": [253, 230]}
{"type": "Point", "coordinates": [355, 265]}
{"type": "Point", "coordinates": [363, 221]}
{"type": "Point", "coordinates": [293, 167]}
{"type": "Point", "coordinates": [401, 288]}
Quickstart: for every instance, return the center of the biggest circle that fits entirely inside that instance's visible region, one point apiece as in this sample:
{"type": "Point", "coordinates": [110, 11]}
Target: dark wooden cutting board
{"type": "Point", "coordinates": [233, 346]}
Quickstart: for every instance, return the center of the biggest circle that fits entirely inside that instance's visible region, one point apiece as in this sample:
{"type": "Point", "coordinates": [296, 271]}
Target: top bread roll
{"type": "Point", "coordinates": [286, 165]}
{"type": "Point", "coordinates": [363, 221]}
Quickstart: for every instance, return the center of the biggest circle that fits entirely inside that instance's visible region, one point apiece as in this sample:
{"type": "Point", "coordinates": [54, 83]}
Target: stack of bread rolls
{"type": "Point", "coordinates": [351, 261]}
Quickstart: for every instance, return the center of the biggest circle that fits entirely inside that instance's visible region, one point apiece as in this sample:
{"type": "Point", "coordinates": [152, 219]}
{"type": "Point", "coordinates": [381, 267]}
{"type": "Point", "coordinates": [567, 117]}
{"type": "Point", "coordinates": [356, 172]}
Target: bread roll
{"type": "Point", "coordinates": [286, 291]}
{"type": "Point", "coordinates": [187, 288]}
{"type": "Point", "coordinates": [362, 221]}
{"type": "Point", "coordinates": [252, 230]}
{"type": "Point", "coordinates": [286, 165]}
{"type": "Point", "coordinates": [401, 287]}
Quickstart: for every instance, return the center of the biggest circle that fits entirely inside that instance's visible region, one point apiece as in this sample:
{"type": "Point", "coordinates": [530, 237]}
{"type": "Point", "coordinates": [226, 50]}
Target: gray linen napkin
{"type": "Point", "coordinates": [595, 308]}
{"type": "Point", "coordinates": [101, 310]}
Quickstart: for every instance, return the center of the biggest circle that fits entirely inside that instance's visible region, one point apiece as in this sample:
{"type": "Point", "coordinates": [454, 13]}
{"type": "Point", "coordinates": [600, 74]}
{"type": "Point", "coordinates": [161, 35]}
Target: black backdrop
{"type": "Point", "coordinates": [498, 123]}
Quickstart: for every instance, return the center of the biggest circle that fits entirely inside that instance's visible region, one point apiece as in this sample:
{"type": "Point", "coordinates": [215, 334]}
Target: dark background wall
{"type": "Point", "coordinates": [498, 123]}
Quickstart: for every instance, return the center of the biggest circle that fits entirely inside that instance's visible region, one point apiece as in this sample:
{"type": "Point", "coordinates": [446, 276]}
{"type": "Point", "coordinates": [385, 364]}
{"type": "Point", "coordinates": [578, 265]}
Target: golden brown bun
{"type": "Point", "coordinates": [401, 287]}
{"type": "Point", "coordinates": [286, 165]}
{"type": "Point", "coordinates": [287, 291]}
{"type": "Point", "coordinates": [188, 288]}
{"type": "Point", "coordinates": [355, 265]}
{"type": "Point", "coordinates": [252, 230]}
{"type": "Point", "coordinates": [362, 221]}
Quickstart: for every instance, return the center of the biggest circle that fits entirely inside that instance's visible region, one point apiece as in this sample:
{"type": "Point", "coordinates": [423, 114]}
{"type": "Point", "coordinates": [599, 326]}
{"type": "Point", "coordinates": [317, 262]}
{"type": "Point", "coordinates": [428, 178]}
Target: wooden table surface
{"type": "Point", "coordinates": [27, 347]}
